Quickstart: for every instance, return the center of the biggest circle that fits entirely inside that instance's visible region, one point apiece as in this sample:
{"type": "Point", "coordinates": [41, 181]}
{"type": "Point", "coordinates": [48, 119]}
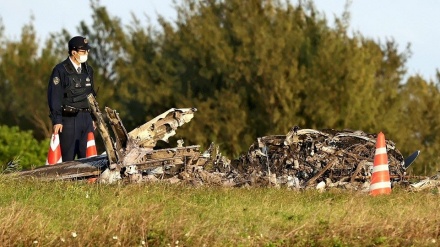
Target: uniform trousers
{"type": "Point", "coordinates": [73, 138]}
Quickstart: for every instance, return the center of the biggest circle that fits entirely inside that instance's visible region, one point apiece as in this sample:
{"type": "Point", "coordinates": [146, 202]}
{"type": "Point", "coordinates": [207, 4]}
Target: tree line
{"type": "Point", "coordinates": [251, 68]}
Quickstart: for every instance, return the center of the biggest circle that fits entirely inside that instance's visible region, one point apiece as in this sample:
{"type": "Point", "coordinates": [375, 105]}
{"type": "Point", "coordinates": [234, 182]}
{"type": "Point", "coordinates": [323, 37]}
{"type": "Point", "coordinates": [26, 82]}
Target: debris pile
{"type": "Point", "coordinates": [432, 182]}
{"type": "Point", "coordinates": [303, 158]}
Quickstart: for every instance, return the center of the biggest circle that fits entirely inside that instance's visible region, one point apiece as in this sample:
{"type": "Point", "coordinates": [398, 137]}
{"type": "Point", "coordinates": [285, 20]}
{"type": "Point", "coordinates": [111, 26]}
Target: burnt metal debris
{"type": "Point", "coordinates": [320, 158]}
{"type": "Point", "coordinates": [301, 159]}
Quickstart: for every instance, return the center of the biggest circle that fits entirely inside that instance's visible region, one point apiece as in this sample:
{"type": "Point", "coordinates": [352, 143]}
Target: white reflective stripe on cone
{"type": "Point", "coordinates": [380, 168]}
{"type": "Point", "coordinates": [54, 142]}
{"type": "Point", "coordinates": [380, 185]}
{"type": "Point", "coordinates": [381, 151]}
{"type": "Point", "coordinates": [90, 143]}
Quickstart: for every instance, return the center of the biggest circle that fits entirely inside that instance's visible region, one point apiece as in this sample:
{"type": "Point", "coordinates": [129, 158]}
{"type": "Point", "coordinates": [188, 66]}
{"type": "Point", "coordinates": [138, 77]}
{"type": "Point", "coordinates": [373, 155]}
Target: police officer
{"type": "Point", "coordinates": [70, 83]}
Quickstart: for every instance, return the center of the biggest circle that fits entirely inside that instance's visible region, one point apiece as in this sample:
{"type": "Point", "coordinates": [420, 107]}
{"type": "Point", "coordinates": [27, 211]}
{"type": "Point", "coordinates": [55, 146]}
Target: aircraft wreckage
{"type": "Point", "coordinates": [303, 158]}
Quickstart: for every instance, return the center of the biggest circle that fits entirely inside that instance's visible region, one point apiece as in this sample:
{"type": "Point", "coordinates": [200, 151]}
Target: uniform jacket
{"type": "Point", "coordinates": [68, 88]}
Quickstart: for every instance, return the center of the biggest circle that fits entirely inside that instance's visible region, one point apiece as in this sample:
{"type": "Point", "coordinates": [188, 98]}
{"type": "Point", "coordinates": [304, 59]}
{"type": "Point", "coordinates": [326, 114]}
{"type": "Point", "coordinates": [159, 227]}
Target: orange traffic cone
{"type": "Point", "coordinates": [91, 147]}
{"type": "Point", "coordinates": [54, 154]}
{"type": "Point", "coordinates": [380, 178]}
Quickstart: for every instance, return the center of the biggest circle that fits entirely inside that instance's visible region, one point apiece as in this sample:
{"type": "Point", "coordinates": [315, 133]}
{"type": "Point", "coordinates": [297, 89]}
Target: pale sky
{"type": "Point", "coordinates": [405, 21]}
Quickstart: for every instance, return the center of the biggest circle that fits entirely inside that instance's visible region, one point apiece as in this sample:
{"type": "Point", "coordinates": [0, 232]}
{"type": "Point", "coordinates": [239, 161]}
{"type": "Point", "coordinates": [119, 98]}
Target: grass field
{"type": "Point", "coordinates": [43, 213]}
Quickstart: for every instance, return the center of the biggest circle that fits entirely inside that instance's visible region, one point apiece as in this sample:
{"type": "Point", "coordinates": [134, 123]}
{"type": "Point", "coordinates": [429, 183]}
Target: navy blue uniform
{"type": "Point", "coordinates": [68, 104]}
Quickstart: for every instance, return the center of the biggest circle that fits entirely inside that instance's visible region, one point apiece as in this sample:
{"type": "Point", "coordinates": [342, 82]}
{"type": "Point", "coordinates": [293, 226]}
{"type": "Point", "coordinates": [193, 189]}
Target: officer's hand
{"type": "Point", "coordinates": [94, 125]}
{"type": "Point", "coordinates": [57, 128]}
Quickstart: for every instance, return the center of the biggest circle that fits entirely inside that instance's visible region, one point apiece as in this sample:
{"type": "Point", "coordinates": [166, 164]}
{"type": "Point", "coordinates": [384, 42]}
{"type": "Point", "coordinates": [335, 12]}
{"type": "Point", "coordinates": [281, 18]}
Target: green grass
{"type": "Point", "coordinates": [39, 213]}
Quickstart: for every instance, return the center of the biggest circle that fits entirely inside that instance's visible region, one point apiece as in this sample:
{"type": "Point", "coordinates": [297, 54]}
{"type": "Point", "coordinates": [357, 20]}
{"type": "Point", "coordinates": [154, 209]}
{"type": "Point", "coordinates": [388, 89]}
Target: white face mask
{"type": "Point", "coordinates": [82, 58]}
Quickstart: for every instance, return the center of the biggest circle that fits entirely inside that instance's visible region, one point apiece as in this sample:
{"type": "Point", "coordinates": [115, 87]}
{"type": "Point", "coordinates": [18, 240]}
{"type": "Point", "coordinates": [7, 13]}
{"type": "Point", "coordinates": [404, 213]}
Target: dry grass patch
{"type": "Point", "coordinates": [34, 212]}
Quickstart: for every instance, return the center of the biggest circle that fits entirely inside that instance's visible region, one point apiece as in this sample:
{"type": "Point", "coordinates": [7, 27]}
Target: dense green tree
{"type": "Point", "coordinates": [419, 127]}
{"type": "Point", "coordinates": [284, 64]}
{"type": "Point", "coordinates": [20, 146]}
{"type": "Point", "coordinates": [24, 80]}
{"type": "Point", "coordinates": [251, 68]}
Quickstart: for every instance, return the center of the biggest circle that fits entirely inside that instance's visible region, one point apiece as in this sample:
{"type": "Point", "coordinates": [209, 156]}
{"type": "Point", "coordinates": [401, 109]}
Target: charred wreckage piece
{"type": "Point", "coordinates": [303, 158]}
{"type": "Point", "coordinates": [326, 158]}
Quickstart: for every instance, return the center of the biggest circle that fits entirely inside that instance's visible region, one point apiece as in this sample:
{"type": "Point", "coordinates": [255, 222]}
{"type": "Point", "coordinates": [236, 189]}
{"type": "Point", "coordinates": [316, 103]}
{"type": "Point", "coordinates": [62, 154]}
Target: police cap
{"type": "Point", "coordinates": [78, 43]}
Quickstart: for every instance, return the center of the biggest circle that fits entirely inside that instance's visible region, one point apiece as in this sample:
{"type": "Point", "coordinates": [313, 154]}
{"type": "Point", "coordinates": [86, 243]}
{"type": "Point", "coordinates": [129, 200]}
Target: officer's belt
{"type": "Point", "coordinates": [71, 109]}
